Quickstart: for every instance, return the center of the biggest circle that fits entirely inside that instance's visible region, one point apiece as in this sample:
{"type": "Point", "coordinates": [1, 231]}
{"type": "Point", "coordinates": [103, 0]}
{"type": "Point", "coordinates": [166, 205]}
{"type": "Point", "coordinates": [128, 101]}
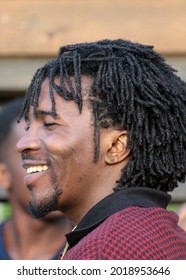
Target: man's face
{"type": "Point", "coordinates": [18, 193]}
{"type": "Point", "coordinates": [58, 154]}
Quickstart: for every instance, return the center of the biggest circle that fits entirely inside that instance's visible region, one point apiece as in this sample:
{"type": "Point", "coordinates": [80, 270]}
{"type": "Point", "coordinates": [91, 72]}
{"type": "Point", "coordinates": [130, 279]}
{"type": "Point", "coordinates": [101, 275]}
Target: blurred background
{"type": "Point", "coordinates": [31, 33]}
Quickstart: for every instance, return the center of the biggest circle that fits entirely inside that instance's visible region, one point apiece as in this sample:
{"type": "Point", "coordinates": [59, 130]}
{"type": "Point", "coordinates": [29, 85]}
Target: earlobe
{"type": "Point", "coordinates": [118, 150]}
{"type": "Point", "coordinates": [5, 180]}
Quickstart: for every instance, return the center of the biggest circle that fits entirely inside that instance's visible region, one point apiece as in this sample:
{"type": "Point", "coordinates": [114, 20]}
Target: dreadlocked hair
{"type": "Point", "coordinates": [132, 89]}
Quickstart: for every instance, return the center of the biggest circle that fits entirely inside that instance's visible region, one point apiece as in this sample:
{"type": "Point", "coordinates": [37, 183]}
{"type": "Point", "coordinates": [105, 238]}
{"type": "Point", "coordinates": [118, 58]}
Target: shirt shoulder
{"type": "Point", "coordinates": [134, 233]}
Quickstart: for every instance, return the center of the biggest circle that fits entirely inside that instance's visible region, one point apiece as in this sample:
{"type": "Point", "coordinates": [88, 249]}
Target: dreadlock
{"type": "Point", "coordinates": [132, 89]}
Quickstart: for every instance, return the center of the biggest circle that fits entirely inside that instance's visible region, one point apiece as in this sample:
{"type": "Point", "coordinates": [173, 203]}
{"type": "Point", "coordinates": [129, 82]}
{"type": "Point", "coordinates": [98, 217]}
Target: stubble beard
{"type": "Point", "coordinates": [48, 203]}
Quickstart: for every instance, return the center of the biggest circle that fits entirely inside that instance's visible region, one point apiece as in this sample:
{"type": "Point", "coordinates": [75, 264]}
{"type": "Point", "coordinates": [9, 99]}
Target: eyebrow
{"type": "Point", "coordinates": [47, 113]}
{"type": "Point", "coordinates": [41, 113]}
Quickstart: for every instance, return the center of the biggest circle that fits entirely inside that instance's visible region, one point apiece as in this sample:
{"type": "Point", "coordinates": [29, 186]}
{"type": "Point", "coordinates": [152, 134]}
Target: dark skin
{"type": "Point", "coordinates": [65, 145]}
{"type": "Point", "coordinates": [25, 237]}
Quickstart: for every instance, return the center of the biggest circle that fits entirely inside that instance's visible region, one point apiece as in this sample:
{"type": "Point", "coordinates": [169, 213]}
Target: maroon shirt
{"type": "Point", "coordinates": [130, 224]}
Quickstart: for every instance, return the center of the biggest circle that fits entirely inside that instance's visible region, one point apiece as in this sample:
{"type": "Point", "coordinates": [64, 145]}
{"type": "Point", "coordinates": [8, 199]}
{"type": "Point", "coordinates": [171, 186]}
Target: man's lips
{"type": "Point", "coordinates": [34, 166]}
{"type": "Point", "coordinates": [35, 173]}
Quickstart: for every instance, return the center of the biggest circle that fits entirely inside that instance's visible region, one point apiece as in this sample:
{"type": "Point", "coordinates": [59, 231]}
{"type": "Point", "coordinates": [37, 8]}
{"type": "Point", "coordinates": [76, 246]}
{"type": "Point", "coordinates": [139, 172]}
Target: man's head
{"type": "Point", "coordinates": [126, 88]}
{"type": "Point", "coordinates": [11, 171]}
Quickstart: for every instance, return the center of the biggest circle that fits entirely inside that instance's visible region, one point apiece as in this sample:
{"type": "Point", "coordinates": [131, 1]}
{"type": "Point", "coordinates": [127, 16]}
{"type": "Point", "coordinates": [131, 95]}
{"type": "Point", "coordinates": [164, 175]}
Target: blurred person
{"type": "Point", "coordinates": [21, 236]}
{"type": "Point", "coordinates": [105, 141]}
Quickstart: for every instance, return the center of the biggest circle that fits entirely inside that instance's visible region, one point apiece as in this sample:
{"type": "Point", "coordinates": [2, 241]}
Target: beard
{"type": "Point", "coordinates": [48, 203]}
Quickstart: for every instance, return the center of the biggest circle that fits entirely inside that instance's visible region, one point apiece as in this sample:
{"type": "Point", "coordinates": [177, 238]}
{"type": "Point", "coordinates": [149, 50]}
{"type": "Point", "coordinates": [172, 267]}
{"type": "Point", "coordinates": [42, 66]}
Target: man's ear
{"type": "Point", "coordinates": [118, 150]}
{"type": "Point", "coordinates": [5, 178]}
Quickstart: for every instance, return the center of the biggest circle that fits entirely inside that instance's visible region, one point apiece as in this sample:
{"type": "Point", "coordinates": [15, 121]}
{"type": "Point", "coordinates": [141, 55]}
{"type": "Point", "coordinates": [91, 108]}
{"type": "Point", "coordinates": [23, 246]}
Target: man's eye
{"type": "Point", "coordinates": [49, 124]}
{"type": "Point", "coordinates": [27, 128]}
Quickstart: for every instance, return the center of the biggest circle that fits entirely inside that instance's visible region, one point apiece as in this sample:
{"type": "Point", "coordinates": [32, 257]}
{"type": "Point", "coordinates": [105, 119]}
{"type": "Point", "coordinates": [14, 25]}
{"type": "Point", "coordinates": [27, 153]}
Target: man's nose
{"type": "Point", "coordinates": [28, 143]}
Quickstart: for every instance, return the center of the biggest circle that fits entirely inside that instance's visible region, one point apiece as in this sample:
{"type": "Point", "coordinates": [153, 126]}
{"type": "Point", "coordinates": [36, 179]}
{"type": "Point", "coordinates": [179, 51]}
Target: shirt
{"type": "Point", "coordinates": [131, 223]}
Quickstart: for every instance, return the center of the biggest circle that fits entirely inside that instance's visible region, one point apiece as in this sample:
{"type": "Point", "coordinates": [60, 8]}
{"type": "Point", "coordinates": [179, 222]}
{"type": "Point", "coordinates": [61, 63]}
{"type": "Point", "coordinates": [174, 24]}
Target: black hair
{"type": "Point", "coordinates": [132, 89]}
{"type": "Point", "coordinates": [8, 114]}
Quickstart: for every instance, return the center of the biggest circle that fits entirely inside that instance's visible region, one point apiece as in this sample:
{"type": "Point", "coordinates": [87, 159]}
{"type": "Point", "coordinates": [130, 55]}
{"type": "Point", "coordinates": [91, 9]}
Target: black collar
{"type": "Point", "coordinates": [118, 200]}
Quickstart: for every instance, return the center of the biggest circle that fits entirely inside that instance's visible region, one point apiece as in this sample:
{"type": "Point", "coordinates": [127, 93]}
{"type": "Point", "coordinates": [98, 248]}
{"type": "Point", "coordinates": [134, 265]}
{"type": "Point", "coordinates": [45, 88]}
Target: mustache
{"type": "Point", "coordinates": [34, 158]}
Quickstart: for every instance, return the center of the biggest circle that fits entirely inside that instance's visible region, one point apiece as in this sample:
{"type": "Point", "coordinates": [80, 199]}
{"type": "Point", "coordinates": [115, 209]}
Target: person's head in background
{"type": "Point", "coordinates": [11, 172]}
{"type": "Point", "coordinates": [24, 236]}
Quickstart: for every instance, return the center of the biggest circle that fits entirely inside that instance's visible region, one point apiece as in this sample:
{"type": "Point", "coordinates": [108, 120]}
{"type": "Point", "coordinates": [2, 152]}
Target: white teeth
{"type": "Point", "coordinates": [36, 169]}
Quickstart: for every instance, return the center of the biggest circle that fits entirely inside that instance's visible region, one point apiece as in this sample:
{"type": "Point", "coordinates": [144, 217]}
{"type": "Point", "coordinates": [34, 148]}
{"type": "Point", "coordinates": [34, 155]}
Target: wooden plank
{"type": "Point", "coordinates": [16, 73]}
{"type": "Point", "coordinates": [39, 27]}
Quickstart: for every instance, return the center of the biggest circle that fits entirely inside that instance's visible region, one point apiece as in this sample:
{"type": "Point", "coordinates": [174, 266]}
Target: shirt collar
{"type": "Point", "coordinates": [118, 200]}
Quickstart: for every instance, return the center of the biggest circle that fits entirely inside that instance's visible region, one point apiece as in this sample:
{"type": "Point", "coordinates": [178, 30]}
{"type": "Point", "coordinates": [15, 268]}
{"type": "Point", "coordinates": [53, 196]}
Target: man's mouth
{"type": "Point", "coordinates": [34, 169]}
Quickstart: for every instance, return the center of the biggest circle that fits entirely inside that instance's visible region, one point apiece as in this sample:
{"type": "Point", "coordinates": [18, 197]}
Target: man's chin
{"type": "Point", "coordinates": [40, 207]}
{"type": "Point", "coordinates": [37, 212]}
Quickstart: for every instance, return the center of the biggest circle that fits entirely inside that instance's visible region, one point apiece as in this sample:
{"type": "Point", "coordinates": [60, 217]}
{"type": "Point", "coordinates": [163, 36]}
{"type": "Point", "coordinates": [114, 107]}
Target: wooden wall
{"type": "Point", "coordinates": [32, 32]}
{"type": "Point", "coordinates": [39, 27]}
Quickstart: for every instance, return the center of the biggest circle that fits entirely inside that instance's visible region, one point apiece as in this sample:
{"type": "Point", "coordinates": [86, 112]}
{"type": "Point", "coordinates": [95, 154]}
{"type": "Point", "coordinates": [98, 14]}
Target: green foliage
{"type": "Point", "coordinates": [5, 211]}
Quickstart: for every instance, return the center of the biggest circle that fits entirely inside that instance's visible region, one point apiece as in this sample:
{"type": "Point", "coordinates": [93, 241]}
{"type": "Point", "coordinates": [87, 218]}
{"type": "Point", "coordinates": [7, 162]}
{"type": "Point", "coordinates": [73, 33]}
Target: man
{"type": "Point", "coordinates": [21, 236]}
{"type": "Point", "coordinates": [105, 141]}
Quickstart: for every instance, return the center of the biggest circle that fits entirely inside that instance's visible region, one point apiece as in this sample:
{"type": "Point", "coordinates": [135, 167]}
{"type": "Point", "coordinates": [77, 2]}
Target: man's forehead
{"type": "Point", "coordinates": [45, 103]}
{"type": "Point", "coordinates": [85, 80]}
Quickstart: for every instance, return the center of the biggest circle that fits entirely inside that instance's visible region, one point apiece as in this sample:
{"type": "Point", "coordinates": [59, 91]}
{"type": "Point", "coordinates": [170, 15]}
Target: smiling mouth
{"type": "Point", "coordinates": [34, 169]}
